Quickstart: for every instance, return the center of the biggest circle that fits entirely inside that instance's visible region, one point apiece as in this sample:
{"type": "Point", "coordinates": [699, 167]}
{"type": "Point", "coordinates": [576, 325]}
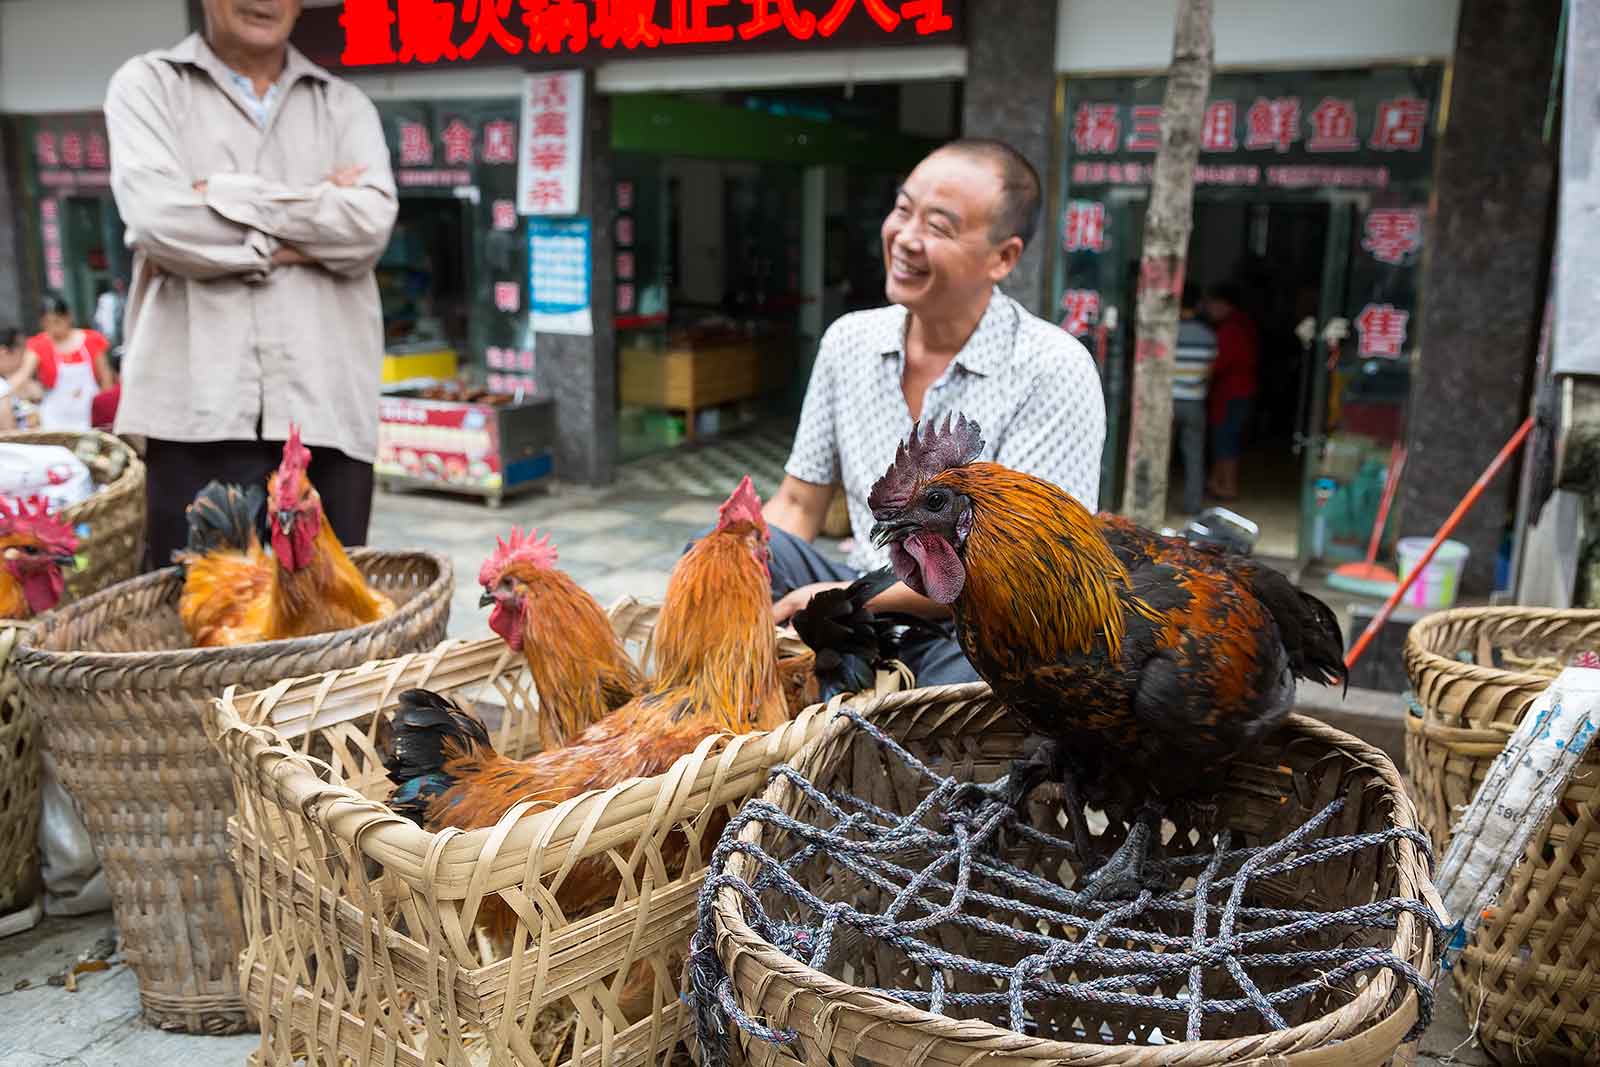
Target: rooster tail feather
{"type": "Point", "coordinates": [223, 517]}
{"type": "Point", "coordinates": [1309, 629]}
{"type": "Point", "coordinates": [848, 641]}
{"type": "Point", "coordinates": [414, 748]}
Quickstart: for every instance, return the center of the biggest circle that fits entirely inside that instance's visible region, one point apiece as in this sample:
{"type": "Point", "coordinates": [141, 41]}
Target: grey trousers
{"type": "Point", "coordinates": [1189, 430]}
{"type": "Point", "coordinates": [796, 563]}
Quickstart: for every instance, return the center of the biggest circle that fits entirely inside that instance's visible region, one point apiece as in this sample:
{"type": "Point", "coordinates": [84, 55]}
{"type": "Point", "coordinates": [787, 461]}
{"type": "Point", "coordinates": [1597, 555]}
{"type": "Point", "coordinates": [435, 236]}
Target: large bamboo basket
{"type": "Point", "coordinates": [121, 695]}
{"type": "Point", "coordinates": [361, 925]}
{"type": "Point", "coordinates": [111, 527]}
{"type": "Point", "coordinates": [966, 732]}
{"type": "Point", "coordinates": [1528, 977]}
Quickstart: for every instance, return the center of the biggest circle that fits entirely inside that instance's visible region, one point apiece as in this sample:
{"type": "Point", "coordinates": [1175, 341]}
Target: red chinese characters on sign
{"type": "Point", "coordinates": [499, 142]}
{"type": "Point", "coordinates": [504, 214]}
{"type": "Point", "coordinates": [72, 149]}
{"type": "Point", "coordinates": [769, 15]}
{"type": "Point", "coordinates": [629, 22]}
{"type": "Point", "coordinates": [366, 33]}
{"type": "Point", "coordinates": [546, 193]}
{"type": "Point", "coordinates": [1382, 330]}
{"type": "Point", "coordinates": [44, 149]}
{"type": "Point", "coordinates": [1096, 128]}
{"type": "Point", "coordinates": [1217, 129]}
{"type": "Point", "coordinates": [416, 145]}
{"type": "Point", "coordinates": [1391, 234]}
{"type": "Point", "coordinates": [1085, 229]}
{"type": "Point", "coordinates": [625, 266]}
{"type": "Point", "coordinates": [625, 297]}
{"type": "Point", "coordinates": [488, 19]}
{"type": "Point", "coordinates": [1273, 124]}
{"type": "Point", "coordinates": [1080, 309]}
{"type": "Point", "coordinates": [457, 138]}
{"type": "Point", "coordinates": [507, 296]}
{"type": "Point", "coordinates": [425, 27]}
{"type": "Point", "coordinates": [99, 157]}
{"type": "Point", "coordinates": [625, 231]}
{"type": "Point", "coordinates": [55, 273]}
{"type": "Point", "coordinates": [1333, 127]}
{"type": "Point", "coordinates": [1146, 133]}
{"type": "Point", "coordinates": [556, 24]}
{"type": "Point", "coordinates": [1400, 125]}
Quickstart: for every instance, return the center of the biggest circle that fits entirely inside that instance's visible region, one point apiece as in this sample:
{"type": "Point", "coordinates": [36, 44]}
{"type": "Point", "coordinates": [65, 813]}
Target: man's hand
{"type": "Point", "coordinates": [345, 177]}
{"type": "Point", "coordinates": [200, 187]}
{"type": "Point", "coordinates": [287, 255]}
{"type": "Point", "coordinates": [785, 609]}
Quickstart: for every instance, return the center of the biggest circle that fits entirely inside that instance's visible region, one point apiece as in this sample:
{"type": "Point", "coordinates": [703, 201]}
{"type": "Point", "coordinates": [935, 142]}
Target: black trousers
{"type": "Point", "coordinates": [794, 563]}
{"type": "Point", "coordinates": [177, 470]}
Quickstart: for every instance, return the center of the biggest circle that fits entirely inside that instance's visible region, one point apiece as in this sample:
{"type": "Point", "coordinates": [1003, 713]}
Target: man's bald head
{"type": "Point", "coordinates": [1017, 212]}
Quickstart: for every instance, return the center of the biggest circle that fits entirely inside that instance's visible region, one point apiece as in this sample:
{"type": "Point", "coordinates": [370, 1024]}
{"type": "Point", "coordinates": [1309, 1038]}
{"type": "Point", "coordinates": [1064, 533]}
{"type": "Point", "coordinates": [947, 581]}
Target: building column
{"type": "Point", "coordinates": [11, 239]}
{"type": "Point", "coordinates": [1487, 266]}
{"type": "Point", "coordinates": [1009, 95]}
{"type": "Point", "coordinates": [580, 373]}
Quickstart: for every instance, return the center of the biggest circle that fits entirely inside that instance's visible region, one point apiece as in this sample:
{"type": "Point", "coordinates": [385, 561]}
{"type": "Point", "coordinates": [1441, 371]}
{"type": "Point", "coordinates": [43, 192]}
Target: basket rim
{"type": "Point", "coordinates": [838, 997]}
{"type": "Point", "coordinates": [1426, 628]}
{"type": "Point", "coordinates": [30, 656]}
{"type": "Point", "coordinates": [260, 759]}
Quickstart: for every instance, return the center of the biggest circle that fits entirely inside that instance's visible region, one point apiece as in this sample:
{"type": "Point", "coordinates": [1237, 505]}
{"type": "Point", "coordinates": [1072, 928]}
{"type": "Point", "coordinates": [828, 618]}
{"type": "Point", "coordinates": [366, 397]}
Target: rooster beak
{"type": "Point", "coordinates": [65, 561]}
{"type": "Point", "coordinates": [891, 530]}
{"type": "Point", "coordinates": [286, 520]}
{"type": "Point", "coordinates": [486, 599]}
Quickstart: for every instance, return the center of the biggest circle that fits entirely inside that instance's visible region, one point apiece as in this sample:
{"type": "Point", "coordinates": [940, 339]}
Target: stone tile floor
{"type": "Point", "coordinates": [614, 542]}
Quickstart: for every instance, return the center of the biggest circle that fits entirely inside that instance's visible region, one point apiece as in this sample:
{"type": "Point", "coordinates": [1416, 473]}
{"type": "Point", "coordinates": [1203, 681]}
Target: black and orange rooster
{"type": "Point", "coordinates": [716, 672]}
{"type": "Point", "coordinates": [234, 592]}
{"type": "Point", "coordinates": [579, 666]}
{"type": "Point", "coordinates": [34, 546]}
{"type": "Point", "coordinates": [1145, 664]}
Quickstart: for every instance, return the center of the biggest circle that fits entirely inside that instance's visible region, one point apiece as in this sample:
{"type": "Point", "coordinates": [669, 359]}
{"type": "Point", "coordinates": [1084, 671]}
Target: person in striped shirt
{"type": "Point", "coordinates": [1191, 376]}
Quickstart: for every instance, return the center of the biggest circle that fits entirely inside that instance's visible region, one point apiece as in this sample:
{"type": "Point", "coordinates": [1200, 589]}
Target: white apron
{"type": "Point", "coordinates": [70, 405]}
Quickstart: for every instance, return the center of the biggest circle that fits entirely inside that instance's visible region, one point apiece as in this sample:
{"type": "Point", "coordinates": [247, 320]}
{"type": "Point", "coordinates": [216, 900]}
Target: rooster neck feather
{"type": "Point", "coordinates": [575, 658]}
{"type": "Point", "coordinates": [13, 602]}
{"type": "Point", "coordinates": [330, 576]}
{"type": "Point", "coordinates": [715, 632]}
{"type": "Point", "coordinates": [1029, 535]}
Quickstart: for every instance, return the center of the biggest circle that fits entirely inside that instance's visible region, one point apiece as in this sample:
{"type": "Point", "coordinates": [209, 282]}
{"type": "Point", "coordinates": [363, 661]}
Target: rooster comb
{"type": "Point", "coordinates": [528, 548]}
{"type": "Point", "coordinates": [937, 449]}
{"type": "Point", "coordinates": [31, 515]}
{"type": "Point", "coordinates": [742, 506]}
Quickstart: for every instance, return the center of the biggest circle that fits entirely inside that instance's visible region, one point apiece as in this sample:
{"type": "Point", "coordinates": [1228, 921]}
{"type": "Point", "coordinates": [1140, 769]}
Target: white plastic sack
{"type": "Point", "coordinates": [50, 471]}
{"type": "Point", "coordinates": [74, 883]}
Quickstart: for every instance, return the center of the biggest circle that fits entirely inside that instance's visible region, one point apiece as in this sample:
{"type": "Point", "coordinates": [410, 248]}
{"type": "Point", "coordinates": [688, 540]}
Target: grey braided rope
{"type": "Point", "coordinates": [864, 839]}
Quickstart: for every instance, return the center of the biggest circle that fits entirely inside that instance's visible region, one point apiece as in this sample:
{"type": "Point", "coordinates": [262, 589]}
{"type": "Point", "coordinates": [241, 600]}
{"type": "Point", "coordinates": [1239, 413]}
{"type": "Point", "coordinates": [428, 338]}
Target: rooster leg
{"type": "Point", "coordinates": [1122, 875]}
{"type": "Point", "coordinates": [1026, 775]}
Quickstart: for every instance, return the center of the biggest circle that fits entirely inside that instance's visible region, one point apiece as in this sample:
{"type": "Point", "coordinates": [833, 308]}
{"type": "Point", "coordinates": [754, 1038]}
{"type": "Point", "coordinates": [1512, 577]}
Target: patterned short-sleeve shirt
{"type": "Point", "coordinates": [1031, 386]}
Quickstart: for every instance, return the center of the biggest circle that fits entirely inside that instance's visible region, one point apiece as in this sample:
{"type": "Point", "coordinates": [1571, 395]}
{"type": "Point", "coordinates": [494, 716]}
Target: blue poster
{"type": "Point", "coordinates": [558, 275]}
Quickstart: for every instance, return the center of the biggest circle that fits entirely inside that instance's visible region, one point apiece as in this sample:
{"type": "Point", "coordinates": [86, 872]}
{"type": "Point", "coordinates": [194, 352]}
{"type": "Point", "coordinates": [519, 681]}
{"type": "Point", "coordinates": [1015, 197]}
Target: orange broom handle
{"type": "Point", "coordinates": [1445, 531]}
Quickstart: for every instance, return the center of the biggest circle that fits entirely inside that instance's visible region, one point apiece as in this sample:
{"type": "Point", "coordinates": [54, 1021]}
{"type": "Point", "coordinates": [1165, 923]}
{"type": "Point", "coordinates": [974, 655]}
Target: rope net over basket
{"type": "Point", "coordinates": [945, 909]}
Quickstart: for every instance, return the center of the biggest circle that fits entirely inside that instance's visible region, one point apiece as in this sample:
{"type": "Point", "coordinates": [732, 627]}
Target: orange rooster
{"type": "Point", "coordinates": [580, 669]}
{"type": "Point", "coordinates": [717, 672]}
{"type": "Point", "coordinates": [1145, 664]}
{"type": "Point", "coordinates": [34, 546]}
{"type": "Point", "coordinates": [235, 593]}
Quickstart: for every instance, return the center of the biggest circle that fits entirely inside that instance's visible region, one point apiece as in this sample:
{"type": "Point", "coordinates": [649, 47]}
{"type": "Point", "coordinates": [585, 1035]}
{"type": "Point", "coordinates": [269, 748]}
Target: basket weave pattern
{"type": "Point", "coordinates": [111, 545]}
{"type": "Point", "coordinates": [361, 924]}
{"type": "Point", "coordinates": [1528, 977]}
{"type": "Point", "coordinates": [966, 732]}
{"type": "Point", "coordinates": [121, 696]}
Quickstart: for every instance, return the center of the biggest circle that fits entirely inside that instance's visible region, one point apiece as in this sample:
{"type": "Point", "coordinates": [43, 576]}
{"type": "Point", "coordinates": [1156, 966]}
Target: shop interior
{"type": "Point", "coordinates": [1290, 260]}
{"type": "Point", "coordinates": [424, 285]}
{"type": "Point", "coordinates": [742, 235]}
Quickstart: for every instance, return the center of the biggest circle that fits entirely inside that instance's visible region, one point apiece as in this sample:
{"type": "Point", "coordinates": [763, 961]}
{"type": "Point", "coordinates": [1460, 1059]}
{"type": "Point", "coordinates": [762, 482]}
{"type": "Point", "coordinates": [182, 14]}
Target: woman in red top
{"type": "Point", "coordinates": [1233, 387]}
{"type": "Point", "coordinates": [71, 364]}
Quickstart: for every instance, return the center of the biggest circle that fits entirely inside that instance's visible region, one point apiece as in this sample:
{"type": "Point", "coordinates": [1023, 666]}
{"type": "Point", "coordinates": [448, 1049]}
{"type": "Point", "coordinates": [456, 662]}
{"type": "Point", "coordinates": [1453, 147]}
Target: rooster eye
{"type": "Point", "coordinates": [935, 501]}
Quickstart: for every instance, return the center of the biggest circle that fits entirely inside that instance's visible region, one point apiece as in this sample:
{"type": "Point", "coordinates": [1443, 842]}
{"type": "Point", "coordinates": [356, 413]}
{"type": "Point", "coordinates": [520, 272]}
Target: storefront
{"type": "Point", "coordinates": [1312, 197]}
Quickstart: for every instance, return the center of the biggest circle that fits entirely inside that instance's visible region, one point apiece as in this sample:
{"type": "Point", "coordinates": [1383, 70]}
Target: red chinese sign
{"type": "Point", "coordinates": [1080, 309]}
{"type": "Point", "coordinates": [438, 441]}
{"type": "Point", "coordinates": [391, 32]}
{"type": "Point", "coordinates": [511, 370]}
{"type": "Point", "coordinates": [551, 165]}
{"type": "Point", "coordinates": [1085, 226]}
{"type": "Point", "coordinates": [1382, 330]}
{"type": "Point", "coordinates": [1392, 234]}
{"type": "Point", "coordinates": [55, 274]}
{"type": "Point", "coordinates": [72, 152]}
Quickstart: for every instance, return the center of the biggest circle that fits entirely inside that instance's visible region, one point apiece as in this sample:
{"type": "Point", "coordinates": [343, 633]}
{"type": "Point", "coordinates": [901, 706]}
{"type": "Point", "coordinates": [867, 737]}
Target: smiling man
{"type": "Point", "coordinates": [258, 197]}
{"type": "Point", "coordinates": [949, 342]}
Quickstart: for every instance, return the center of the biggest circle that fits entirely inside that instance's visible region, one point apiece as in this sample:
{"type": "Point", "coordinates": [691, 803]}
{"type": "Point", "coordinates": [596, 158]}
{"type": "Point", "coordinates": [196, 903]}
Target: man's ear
{"type": "Point", "coordinates": [1004, 258]}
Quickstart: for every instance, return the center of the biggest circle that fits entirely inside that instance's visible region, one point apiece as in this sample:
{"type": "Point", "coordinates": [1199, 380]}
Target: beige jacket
{"type": "Point", "coordinates": [222, 345]}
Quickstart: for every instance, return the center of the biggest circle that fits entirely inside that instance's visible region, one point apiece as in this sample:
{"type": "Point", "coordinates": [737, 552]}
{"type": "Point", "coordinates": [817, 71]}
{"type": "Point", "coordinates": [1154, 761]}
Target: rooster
{"type": "Point", "coordinates": [34, 546]}
{"type": "Point", "coordinates": [580, 669]}
{"type": "Point", "coordinates": [716, 672]}
{"type": "Point", "coordinates": [235, 593]}
{"type": "Point", "coordinates": [1144, 663]}
{"type": "Point", "coordinates": [850, 642]}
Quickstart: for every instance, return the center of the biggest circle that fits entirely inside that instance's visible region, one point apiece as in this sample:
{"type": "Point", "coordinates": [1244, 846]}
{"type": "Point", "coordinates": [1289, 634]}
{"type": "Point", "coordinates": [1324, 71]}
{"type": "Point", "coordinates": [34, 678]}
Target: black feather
{"type": "Point", "coordinates": [850, 642]}
{"type": "Point", "coordinates": [1308, 627]}
{"type": "Point", "coordinates": [412, 747]}
{"type": "Point", "coordinates": [223, 517]}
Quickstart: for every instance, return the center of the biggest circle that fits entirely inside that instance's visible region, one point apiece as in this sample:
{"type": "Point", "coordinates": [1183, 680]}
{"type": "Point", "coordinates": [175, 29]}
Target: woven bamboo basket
{"type": "Point", "coordinates": [362, 948]}
{"type": "Point", "coordinates": [121, 695]}
{"type": "Point", "coordinates": [110, 523]}
{"type": "Point", "coordinates": [965, 732]}
{"type": "Point", "coordinates": [110, 527]}
{"type": "Point", "coordinates": [1528, 977]}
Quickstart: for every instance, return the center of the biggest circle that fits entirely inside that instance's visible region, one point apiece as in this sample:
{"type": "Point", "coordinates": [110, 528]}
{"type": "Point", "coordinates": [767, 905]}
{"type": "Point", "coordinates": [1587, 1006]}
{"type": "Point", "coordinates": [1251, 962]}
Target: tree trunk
{"type": "Point", "coordinates": [1166, 242]}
